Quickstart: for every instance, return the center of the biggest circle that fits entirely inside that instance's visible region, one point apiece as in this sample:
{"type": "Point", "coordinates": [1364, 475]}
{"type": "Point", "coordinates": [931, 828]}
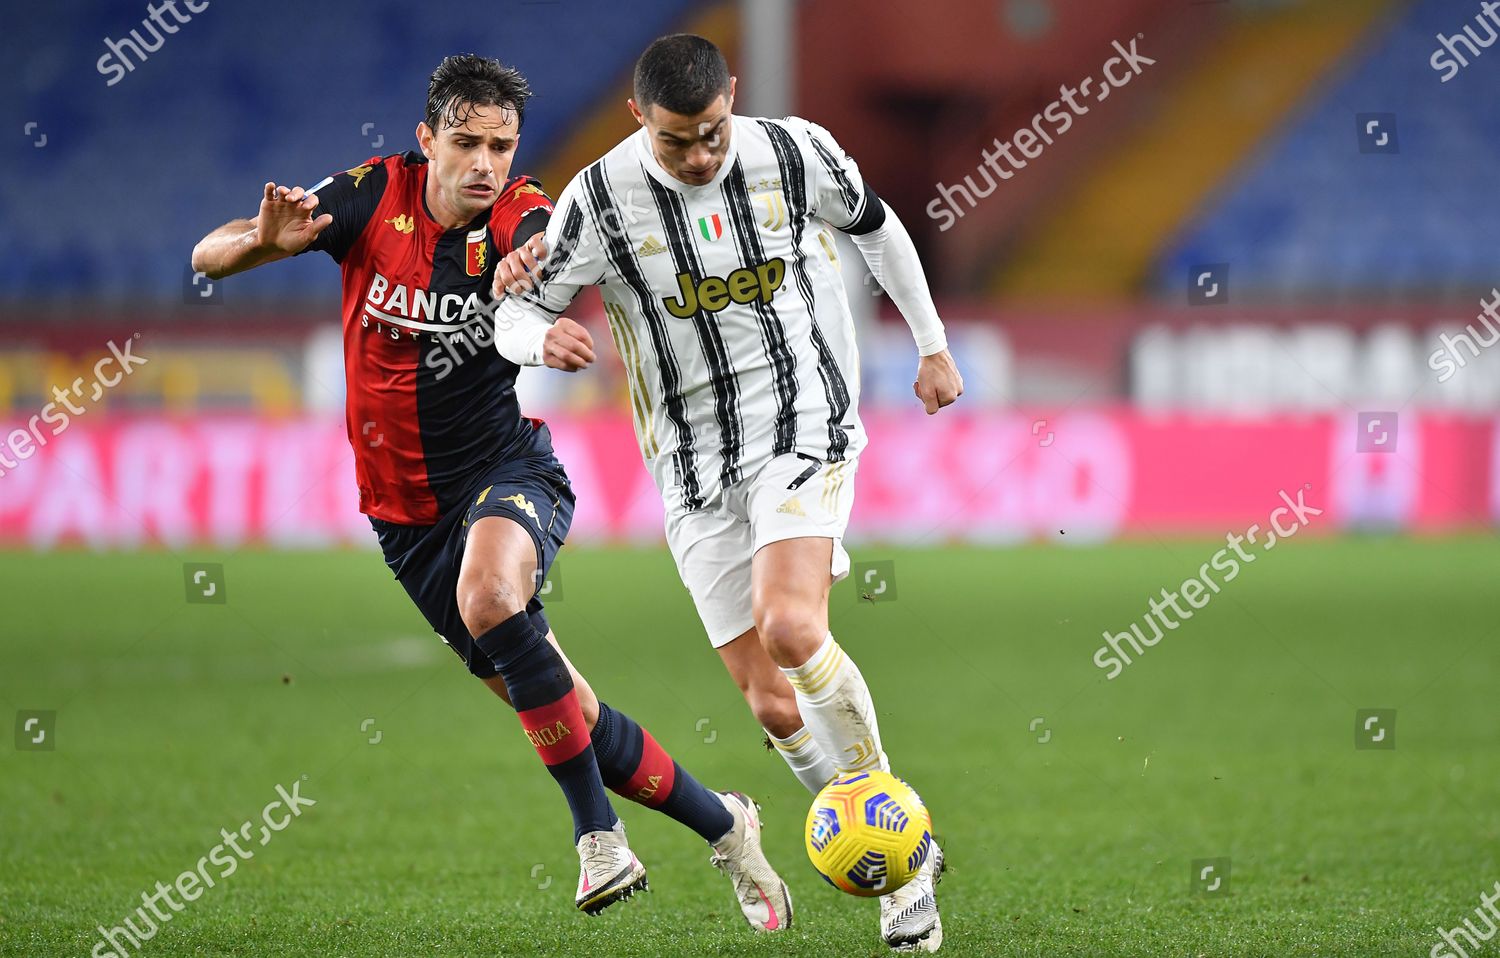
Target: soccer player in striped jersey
{"type": "Point", "coordinates": [711, 238]}
{"type": "Point", "coordinates": [464, 493]}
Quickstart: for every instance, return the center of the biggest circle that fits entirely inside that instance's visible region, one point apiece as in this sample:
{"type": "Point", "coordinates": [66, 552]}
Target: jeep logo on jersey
{"type": "Point", "coordinates": [712, 294]}
{"type": "Point", "coordinates": [409, 306]}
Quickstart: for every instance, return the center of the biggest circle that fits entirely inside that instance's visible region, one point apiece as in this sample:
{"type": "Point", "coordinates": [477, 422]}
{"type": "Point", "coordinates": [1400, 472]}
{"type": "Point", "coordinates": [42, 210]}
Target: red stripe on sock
{"type": "Point", "coordinates": [651, 782]}
{"type": "Point", "coordinates": [556, 730]}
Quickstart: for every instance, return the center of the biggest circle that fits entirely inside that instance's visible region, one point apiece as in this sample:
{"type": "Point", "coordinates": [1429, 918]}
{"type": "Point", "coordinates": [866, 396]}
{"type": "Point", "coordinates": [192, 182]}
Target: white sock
{"type": "Point", "coordinates": [808, 762]}
{"type": "Point", "coordinates": [835, 703]}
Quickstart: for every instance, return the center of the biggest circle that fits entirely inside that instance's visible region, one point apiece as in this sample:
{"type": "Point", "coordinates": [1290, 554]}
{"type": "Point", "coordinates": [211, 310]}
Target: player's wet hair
{"type": "Point", "coordinates": [682, 72]}
{"type": "Point", "coordinates": [467, 80]}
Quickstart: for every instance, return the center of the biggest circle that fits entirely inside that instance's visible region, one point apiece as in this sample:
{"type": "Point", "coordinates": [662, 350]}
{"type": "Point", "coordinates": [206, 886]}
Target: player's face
{"type": "Point", "coordinates": [691, 148]}
{"type": "Point", "coordinates": [469, 162]}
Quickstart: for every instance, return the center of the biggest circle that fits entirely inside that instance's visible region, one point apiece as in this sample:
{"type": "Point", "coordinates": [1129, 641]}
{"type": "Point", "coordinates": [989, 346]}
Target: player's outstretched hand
{"type": "Point", "coordinates": [568, 346]}
{"type": "Point", "coordinates": [516, 273]}
{"type": "Point", "coordinates": [285, 221]}
{"type": "Point", "coordinates": [938, 381]}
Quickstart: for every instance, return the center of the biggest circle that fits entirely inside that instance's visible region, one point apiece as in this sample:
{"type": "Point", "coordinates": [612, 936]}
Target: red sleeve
{"type": "Point", "coordinates": [521, 196]}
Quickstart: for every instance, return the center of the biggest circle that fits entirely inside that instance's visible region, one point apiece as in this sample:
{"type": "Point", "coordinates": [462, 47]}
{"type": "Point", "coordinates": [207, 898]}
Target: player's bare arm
{"type": "Point", "coordinates": [284, 226]}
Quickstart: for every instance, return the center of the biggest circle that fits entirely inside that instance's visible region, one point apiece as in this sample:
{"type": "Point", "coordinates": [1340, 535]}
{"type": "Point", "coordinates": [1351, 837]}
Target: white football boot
{"type": "Point", "coordinates": [763, 896]}
{"type": "Point", "coordinates": [909, 919]}
{"type": "Point", "coordinates": [609, 871]}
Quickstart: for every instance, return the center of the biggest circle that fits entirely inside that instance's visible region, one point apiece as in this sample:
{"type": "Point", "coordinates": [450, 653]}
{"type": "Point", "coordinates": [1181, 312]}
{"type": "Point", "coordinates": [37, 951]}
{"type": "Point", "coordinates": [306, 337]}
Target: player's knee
{"type": "Point", "coordinates": [484, 604]}
{"type": "Point", "coordinates": [790, 635]}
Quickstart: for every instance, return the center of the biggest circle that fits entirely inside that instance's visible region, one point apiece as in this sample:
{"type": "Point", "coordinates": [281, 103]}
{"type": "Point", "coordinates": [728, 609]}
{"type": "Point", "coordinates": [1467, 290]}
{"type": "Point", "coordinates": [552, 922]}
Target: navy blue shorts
{"type": "Point", "coordinates": [532, 489]}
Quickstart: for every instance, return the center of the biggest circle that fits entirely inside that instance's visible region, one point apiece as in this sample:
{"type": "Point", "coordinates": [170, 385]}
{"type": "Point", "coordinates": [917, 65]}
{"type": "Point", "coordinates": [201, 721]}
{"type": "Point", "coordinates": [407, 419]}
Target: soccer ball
{"type": "Point", "coordinates": [868, 834]}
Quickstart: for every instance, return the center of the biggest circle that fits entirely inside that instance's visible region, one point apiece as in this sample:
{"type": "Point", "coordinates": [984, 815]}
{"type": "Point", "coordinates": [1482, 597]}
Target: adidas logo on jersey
{"type": "Point", "coordinates": [792, 507]}
{"type": "Point", "coordinates": [651, 247]}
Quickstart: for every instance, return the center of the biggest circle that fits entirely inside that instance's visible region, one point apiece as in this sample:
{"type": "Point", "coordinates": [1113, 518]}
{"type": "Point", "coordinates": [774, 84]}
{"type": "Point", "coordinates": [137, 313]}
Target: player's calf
{"type": "Point", "coordinates": [633, 765]}
{"type": "Point", "coordinates": [537, 679]}
{"type": "Point", "coordinates": [773, 702]}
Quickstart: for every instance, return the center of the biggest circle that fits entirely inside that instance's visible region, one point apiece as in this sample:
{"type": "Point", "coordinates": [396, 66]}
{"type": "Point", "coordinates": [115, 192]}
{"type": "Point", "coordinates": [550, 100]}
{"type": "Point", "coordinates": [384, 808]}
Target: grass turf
{"type": "Point", "coordinates": [1233, 737]}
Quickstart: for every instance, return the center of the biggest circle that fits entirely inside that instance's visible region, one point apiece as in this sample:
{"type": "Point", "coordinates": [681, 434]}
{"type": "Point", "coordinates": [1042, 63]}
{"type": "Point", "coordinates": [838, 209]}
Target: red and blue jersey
{"type": "Point", "coordinates": [430, 402]}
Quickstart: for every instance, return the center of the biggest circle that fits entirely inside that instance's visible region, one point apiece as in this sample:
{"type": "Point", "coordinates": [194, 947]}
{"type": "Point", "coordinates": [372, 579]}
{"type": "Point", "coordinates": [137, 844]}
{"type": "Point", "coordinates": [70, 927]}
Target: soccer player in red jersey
{"type": "Point", "coordinates": [466, 498]}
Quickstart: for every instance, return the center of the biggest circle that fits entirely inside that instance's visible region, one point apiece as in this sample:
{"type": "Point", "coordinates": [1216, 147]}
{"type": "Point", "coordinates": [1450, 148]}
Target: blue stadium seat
{"type": "Point", "coordinates": [133, 173]}
{"type": "Point", "coordinates": [1311, 215]}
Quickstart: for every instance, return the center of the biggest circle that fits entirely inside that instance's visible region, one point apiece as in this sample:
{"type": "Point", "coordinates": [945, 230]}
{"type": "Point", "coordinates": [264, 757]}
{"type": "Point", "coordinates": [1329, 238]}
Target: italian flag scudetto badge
{"type": "Point", "coordinates": [712, 227]}
{"type": "Point", "coordinates": [476, 251]}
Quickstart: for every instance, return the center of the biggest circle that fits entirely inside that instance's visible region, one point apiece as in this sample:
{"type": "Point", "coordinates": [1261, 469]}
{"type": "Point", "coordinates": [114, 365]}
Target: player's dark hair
{"type": "Point", "coordinates": [683, 73]}
{"type": "Point", "coordinates": [467, 80]}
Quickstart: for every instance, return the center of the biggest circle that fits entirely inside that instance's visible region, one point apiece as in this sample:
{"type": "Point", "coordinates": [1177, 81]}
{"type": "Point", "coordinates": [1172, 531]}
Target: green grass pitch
{"type": "Point", "coordinates": [1232, 738]}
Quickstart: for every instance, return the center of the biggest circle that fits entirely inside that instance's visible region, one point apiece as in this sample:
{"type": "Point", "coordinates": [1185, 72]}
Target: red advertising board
{"type": "Point", "coordinates": [1000, 476]}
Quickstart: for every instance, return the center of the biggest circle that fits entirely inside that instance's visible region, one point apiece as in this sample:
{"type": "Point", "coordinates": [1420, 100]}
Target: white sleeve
{"type": "Point", "coordinates": [836, 190]}
{"type": "Point", "coordinates": [573, 261]}
{"type": "Point", "coordinates": [892, 258]}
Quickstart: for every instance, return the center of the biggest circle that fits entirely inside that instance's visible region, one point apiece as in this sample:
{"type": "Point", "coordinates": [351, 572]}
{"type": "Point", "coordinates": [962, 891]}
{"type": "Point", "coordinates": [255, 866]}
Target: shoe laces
{"type": "Point", "coordinates": [744, 885]}
{"type": "Point", "coordinates": [597, 855]}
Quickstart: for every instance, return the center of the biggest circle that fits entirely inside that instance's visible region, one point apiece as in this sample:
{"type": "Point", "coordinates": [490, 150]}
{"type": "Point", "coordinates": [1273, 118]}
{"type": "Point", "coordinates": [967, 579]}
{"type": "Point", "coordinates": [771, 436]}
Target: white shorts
{"type": "Point", "coordinates": [790, 497]}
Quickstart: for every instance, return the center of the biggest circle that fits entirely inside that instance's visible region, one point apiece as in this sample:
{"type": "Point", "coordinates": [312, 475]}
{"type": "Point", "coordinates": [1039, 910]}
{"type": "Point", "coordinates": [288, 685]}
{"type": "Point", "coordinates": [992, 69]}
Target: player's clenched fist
{"type": "Point", "coordinates": [938, 381]}
{"type": "Point", "coordinates": [285, 221]}
{"type": "Point", "coordinates": [516, 273]}
{"type": "Point", "coordinates": [567, 346]}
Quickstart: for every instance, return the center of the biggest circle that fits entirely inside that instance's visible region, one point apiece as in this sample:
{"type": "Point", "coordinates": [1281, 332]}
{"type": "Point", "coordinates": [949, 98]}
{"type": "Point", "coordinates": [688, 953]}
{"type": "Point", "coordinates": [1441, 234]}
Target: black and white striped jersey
{"type": "Point", "coordinates": [724, 300]}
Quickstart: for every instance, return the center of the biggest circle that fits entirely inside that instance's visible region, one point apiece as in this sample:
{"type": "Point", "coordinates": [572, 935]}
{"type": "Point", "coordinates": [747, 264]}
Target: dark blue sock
{"type": "Point", "coordinates": [541, 692]}
{"type": "Point", "coordinates": [635, 766]}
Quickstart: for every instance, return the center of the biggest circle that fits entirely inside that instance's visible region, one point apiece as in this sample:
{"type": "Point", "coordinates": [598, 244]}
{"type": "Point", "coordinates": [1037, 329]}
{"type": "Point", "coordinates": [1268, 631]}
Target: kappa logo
{"type": "Point", "coordinates": [523, 504]}
{"type": "Point", "coordinates": [359, 173]}
{"type": "Point", "coordinates": [651, 247]}
{"type": "Point", "coordinates": [714, 294]}
{"type": "Point", "coordinates": [403, 223]}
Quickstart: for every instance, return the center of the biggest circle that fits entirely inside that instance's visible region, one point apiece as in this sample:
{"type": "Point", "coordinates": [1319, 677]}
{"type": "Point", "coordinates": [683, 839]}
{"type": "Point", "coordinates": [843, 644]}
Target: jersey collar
{"type": "Point", "coordinates": [653, 168]}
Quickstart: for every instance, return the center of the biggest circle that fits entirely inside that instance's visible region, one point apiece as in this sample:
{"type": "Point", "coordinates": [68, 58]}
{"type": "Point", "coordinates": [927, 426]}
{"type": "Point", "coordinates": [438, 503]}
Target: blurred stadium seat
{"type": "Point", "coordinates": [1311, 217]}
{"type": "Point", "coordinates": [135, 173]}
